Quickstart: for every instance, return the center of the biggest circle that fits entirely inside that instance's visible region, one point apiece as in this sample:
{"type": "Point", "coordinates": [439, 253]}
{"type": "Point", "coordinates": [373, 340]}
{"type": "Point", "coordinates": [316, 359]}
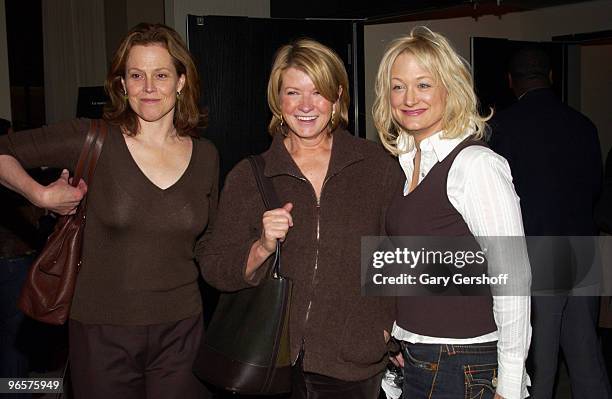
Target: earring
{"type": "Point", "coordinates": [282, 121]}
{"type": "Point", "coordinates": [125, 96]}
{"type": "Point", "coordinates": [178, 95]}
{"type": "Point", "coordinates": [331, 122]}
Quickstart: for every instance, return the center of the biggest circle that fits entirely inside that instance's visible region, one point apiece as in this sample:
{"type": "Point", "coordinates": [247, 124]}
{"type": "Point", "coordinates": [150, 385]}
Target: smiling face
{"type": "Point", "coordinates": [151, 82]}
{"type": "Point", "coordinates": [305, 111]}
{"type": "Point", "coordinates": [417, 100]}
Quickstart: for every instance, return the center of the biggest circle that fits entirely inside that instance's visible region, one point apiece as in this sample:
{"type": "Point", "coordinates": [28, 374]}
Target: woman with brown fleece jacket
{"type": "Point", "coordinates": [335, 188]}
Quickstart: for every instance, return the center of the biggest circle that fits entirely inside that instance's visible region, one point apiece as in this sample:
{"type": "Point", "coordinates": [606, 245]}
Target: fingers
{"type": "Point", "coordinates": [288, 207]}
{"type": "Point", "coordinates": [62, 198]}
{"type": "Point", "coordinates": [72, 212]}
{"type": "Point", "coordinates": [82, 187]}
{"type": "Point", "coordinates": [284, 211]}
{"type": "Point", "coordinates": [65, 175]}
{"type": "Point", "coordinates": [65, 208]}
{"type": "Point", "coordinates": [400, 360]}
{"type": "Point", "coordinates": [278, 221]}
{"type": "Point", "coordinates": [276, 224]}
{"type": "Point", "coordinates": [64, 191]}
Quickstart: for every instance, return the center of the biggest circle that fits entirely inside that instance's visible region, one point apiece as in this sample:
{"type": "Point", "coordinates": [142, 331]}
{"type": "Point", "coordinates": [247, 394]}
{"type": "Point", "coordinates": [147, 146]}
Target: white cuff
{"type": "Point", "coordinates": [512, 380]}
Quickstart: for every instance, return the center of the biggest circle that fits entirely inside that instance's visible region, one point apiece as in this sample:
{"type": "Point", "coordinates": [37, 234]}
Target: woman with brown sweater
{"type": "Point", "coordinates": [334, 187]}
{"type": "Point", "coordinates": [135, 322]}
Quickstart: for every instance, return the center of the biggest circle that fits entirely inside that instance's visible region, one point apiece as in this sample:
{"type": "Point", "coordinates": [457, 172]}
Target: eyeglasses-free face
{"type": "Point", "coordinates": [418, 102]}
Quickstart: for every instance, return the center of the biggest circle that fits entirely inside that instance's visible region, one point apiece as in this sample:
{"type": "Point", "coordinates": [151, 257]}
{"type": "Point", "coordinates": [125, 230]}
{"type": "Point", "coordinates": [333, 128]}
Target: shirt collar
{"type": "Point", "coordinates": [436, 144]}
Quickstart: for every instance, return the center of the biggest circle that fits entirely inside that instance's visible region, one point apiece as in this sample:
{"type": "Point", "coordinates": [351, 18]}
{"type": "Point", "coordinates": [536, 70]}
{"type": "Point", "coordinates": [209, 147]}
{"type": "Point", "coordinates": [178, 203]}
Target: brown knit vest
{"type": "Point", "coordinates": [427, 211]}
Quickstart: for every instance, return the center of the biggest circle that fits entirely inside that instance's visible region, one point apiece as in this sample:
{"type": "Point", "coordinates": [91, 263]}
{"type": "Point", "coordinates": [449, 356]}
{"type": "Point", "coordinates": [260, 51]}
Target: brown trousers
{"type": "Point", "coordinates": [135, 362]}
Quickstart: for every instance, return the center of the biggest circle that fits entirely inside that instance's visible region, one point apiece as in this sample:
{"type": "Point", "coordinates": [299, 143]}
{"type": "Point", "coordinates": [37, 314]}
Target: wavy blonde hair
{"type": "Point", "coordinates": [437, 56]}
{"type": "Point", "coordinates": [323, 66]}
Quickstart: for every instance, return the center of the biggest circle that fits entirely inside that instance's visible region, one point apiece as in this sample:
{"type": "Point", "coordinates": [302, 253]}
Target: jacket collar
{"type": "Point", "coordinates": [344, 153]}
{"type": "Point", "coordinates": [538, 92]}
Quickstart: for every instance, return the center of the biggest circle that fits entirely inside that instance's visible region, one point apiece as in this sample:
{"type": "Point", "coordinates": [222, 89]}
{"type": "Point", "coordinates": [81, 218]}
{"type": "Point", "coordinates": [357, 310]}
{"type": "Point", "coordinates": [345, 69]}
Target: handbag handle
{"type": "Point", "coordinates": [270, 199]}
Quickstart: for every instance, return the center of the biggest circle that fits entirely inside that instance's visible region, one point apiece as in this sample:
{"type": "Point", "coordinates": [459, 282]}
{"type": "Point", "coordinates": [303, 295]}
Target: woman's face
{"type": "Point", "coordinates": [305, 111]}
{"type": "Point", "coordinates": [417, 101]}
{"type": "Point", "coordinates": [151, 82]}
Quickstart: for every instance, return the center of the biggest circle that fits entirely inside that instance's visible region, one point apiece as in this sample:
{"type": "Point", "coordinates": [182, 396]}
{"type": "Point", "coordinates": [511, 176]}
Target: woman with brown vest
{"type": "Point", "coordinates": [426, 114]}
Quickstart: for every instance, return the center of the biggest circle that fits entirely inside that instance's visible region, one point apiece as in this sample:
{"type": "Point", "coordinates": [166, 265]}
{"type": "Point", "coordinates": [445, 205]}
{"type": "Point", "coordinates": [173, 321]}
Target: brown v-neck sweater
{"type": "Point", "coordinates": [138, 252]}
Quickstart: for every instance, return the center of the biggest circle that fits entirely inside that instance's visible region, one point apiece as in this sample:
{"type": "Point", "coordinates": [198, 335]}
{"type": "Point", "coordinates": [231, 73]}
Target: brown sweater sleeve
{"type": "Point", "coordinates": [56, 146]}
{"type": "Point", "coordinates": [222, 254]}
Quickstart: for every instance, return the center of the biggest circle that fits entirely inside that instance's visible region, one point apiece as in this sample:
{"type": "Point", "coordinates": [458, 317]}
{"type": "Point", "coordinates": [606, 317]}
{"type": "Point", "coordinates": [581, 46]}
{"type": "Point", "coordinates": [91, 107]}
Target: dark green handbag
{"type": "Point", "coordinates": [246, 346]}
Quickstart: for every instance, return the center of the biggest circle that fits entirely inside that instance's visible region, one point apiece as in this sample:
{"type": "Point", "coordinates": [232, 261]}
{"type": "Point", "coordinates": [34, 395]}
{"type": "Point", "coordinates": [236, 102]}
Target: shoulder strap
{"type": "Point", "coordinates": [91, 135]}
{"type": "Point", "coordinates": [270, 199]}
{"type": "Point", "coordinates": [97, 149]}
{"type": "Point", "coordinates": [92, 147]}
{"type": "Point", "coordinates": [264, 184]}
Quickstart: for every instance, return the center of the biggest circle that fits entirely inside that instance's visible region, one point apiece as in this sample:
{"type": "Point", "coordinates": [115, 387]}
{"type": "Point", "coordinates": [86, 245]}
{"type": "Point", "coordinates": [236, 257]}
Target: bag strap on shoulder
{"type": "Point", "coordinates": [270, 199]}
{"type": "Point", "coordinates": [92, 147]}
{"type": "Point", "coordinates": [264, 184]}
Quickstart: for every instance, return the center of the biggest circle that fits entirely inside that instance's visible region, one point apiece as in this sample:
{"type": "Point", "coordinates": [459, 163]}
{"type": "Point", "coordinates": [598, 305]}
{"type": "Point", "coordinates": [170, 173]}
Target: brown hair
{"type": "Point", "coordinates": [322, 65]}
{"type": "Point", "coordinates": [186, 114]}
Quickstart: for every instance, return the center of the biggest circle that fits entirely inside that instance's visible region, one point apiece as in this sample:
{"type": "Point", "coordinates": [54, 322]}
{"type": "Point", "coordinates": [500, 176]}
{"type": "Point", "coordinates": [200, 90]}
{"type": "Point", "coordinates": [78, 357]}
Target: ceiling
{"type": "Point", "coordinates": [380, 11]}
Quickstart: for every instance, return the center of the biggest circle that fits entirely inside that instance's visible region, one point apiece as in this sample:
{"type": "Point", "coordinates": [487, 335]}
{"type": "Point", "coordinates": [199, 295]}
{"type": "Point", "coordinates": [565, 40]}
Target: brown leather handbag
{"type": "Point", "coordinates": [246, 346]}
{"type": "Point", "coordinates": [48, 290]}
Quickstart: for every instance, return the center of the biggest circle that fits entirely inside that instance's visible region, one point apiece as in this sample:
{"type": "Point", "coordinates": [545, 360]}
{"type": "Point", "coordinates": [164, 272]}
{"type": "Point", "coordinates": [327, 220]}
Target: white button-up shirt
{"type": "Point", "coordinates": [480, 187]}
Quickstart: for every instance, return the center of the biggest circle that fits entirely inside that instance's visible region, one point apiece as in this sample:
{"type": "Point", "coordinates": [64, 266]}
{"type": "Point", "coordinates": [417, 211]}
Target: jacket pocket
{"type": "Point", "coordinates": [362, 339]}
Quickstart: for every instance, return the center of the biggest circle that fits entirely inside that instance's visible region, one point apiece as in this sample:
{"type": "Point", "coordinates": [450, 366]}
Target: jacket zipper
{"type": "Point", "coordinates": [316, 264]}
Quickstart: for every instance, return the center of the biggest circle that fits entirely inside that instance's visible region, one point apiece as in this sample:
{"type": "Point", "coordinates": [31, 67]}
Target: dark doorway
{"type": "Point", "coordinates": [490, 58]}
{"type": "Point", "coordinates": [26, 64]}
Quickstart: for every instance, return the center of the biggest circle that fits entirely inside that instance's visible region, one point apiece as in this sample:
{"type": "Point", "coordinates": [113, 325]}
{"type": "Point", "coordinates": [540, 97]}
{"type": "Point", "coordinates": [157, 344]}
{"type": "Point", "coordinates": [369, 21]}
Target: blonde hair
{"type": "Point", "coordinates": [434, 53]}
{"type": "Point", "coordinates": [323, 66]}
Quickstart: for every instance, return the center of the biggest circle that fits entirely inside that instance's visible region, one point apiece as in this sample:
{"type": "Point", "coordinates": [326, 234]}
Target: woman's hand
{"type": "Point", "coordinates": [397, 360]}
{"type": "Point", "coordinates": [276, 224]}
{"type": "Point", "coordinates": [60, 197]}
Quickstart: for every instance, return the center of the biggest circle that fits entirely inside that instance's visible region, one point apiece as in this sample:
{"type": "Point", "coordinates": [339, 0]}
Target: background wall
{"type": "Point", "coordinates": [596, 90]}
{"type": "Point", "coordinates": [144, 11]}
{"type": "Point", "coordinates": [122, 15]}
{"type": "Point", "coordinates": [535, 25]}
{"type": "Point", "coordinates": [176, 11]}
{"type": "Point", "coordinates": [5, 99]}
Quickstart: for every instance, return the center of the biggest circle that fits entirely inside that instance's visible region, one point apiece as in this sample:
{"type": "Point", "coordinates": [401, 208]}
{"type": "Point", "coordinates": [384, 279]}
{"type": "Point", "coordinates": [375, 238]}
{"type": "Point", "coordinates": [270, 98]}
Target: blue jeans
{"type": "Point", "coordinates": [450, 371]}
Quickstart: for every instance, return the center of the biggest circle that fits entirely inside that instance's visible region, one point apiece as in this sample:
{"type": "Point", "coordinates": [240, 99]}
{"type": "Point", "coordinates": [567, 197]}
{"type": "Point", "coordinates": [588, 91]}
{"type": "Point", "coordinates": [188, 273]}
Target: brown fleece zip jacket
{"type": "Point", "coordinates": [340, 331]}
